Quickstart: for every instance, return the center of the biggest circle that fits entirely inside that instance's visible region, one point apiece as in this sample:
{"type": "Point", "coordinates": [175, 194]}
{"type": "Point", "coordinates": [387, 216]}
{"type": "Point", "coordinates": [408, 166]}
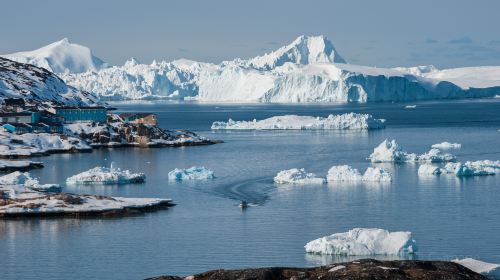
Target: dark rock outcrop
{"type": "Point", "coordinates": [356, 270]}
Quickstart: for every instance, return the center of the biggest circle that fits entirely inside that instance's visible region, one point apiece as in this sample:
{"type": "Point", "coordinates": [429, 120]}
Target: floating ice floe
{"type": "Point", "coordinates": [447, 146]}
{"type": "Point", "coordinates": [294, 122]}
{"type": "Point", "coordinates": [410, 106]}
{"type": "Point", "coordinates": [297, 176]}
{"type": "Point", "coordinates": [25, 180]}
{"type": "Point", "coordinates": [428, 169]}
{"type": "Point", "coordinates": [476, 265]}
{"type": "Point", "coordinates": [473, 168]}
{"type": "Point", "coordinates": [390, 151]}
{"type": "Point", "coordinates": [106, 176]}
{"type": "Point", "coordinates": [23, 196]}
{"type": "Point", "coordinates": [193, 173]}
{"type": "Point", "coordinates": [364, 242]}
{"type": "Point", "coordinates": [348, 173]}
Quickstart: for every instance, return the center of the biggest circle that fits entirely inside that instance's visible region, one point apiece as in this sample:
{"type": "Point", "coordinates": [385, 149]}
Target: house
{"type": "Point", "coordinates": [53, 127]}
{"type": "Point", "coordinates": [20, 117]}
{"type": "Point", "coordinates": [139, 118]}
{"type": "Point", "coordinates": [18, 128]}
{"type": "Point", "coordinates": [80, 114]}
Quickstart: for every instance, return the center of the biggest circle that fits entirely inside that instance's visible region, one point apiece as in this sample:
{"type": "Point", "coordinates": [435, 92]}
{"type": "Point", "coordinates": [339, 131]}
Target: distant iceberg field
{"type": "Point", "coordinates": [364, 242]}
{"type": "Point", "coordinates": [294, 122]}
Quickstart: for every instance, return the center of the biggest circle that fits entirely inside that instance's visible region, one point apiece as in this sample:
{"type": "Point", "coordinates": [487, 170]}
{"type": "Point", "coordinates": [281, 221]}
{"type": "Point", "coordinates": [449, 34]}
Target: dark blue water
{"type": "Point", "coordinates": [449, 217]}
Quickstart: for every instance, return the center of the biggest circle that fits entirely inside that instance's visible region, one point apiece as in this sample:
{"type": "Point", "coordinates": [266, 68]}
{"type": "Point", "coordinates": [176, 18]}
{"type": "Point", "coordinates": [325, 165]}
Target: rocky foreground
{"type": "Point", "coordinates": [361, 269]}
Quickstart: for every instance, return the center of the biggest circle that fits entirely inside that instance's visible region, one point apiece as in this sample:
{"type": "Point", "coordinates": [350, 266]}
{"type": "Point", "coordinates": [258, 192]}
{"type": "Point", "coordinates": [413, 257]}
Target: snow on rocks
{"type": "Point", "coordinates": [364, 242]}
{"type": "Point", "coordinates": [19, 165]}
{"type": "Point", "coordinates": [297, 176]}
{"type": "Point", "coordinates": [428, 169]}
{"type": "Point", "coordinates": [294, 122]}
{"type": "Point", "coordinates": [193, 173]}
{"type": "Point", "coordinates": [29, 144]}
{"type": "Point", "coordinates": [447, 146]}
{"type": "Point", "coordinates": [348, 173]}
{"type": "Point", "coordinates": [477, 265]}
{"type": "Point", "coordinates": [391, 151]}
{"type": "Point", "coordinates": [106, 176]}
{"type": "Point", "coordinates": [19, 198]}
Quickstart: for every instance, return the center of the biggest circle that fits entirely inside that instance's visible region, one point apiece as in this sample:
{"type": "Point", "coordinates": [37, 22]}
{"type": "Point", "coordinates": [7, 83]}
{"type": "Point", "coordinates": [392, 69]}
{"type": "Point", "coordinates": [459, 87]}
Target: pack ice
{"type": "Point", "coordinates": [364, 242]}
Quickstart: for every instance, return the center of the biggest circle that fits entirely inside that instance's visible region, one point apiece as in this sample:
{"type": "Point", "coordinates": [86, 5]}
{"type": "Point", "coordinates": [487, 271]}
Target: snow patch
{"type": "Point", "coordinates": [477, 265]}
{"type": "Point", "coordinates": [364, 242]}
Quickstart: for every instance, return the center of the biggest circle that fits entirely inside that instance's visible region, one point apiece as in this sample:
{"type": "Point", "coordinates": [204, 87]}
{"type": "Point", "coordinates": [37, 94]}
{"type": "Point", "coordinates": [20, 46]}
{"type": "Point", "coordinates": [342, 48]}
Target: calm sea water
{"type": "Point", "coordinates": [449, 217]}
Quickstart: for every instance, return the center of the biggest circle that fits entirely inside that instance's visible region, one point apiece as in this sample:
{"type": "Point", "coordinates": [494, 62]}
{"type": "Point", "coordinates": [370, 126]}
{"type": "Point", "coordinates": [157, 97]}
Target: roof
{"type": "Point", "coordinates": [136, 115]}
{"type": "Point", "coordinates": [17, 125]}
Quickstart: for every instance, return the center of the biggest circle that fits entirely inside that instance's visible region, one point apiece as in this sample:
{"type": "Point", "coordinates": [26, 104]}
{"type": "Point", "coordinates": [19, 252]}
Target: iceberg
{"type": "Point", "coordinates": [297, 176]}
{"type": "Point", "coordinates": [364, 242]}
{"type": "Point", "coordinates": [477, 265]}
{"type": "Point", "coordinates": [309, 69]}
{"type": "Point", "coordinates": [348, 173]}
{"type": "Point", "coordinates": [428, 169]}
{"type": "Point", "coordinates": [193, 173]}
{"type": "Point", "coordinates": [447, 146]}
{"type": "Point", "coordinates": [25, 180]}
{"type": "Point", "coordinates": [473, 168]}
{"type": "Point", "coordinates": [390, 151]}
{"type": "Point", "coordinates": [294, 122]}
{"type": "Point", "coordinates": [106, 176]}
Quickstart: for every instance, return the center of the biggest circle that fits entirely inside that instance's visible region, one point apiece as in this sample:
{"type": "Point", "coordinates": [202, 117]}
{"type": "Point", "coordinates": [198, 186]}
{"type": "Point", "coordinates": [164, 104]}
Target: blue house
{"type": "Point", "coordinates": [20, 117]}
{"type": "Point", "coordinates": [78, 114]}
{"type": "Point", "coordinates": [18, 128]}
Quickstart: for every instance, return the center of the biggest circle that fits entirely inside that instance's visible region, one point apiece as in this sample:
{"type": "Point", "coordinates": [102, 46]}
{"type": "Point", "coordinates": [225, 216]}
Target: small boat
{"type": "Point", "coordinates": [243, 204]}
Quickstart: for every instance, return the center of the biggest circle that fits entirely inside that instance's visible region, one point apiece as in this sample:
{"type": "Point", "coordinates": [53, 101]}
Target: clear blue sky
{"type": "Point", "coordinates": [446, 33]}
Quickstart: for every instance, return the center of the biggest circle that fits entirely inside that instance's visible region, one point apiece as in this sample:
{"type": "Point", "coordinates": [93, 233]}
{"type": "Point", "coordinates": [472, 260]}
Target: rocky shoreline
{"type": "Point", "coordinates": [360, 269]}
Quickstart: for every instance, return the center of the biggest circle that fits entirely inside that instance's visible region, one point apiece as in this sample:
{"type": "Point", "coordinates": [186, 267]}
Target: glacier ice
{"type": "Point", "coordinates": [428, 169]}
{"type": "Point", "coordinates": [447, 146]}
{"type": "Point", "coordinates": [106, 176]}
{"type": "Point", "coordinates": [477, 265]}
{"type": "Point", "coordinates": [473, 168]}
{"type": "Point", "coordinates": [192, 173]}
{"type": "Point", "coordinates": [344, 121]}
{"type": "Point", "coordinates": [348, 173]}
{"type": "Point", "coordinates": [435, 155]}
{"type": "Point", "coordinates": [297, 176]}
{"type": "Point", "coordinates": [307, 70]}
{"type": "Point", "coordinates": [364, 242]}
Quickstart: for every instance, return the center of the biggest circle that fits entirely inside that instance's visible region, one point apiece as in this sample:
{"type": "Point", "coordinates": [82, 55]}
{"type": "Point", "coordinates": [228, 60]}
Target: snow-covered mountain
{"type": "Point", "coordinates": [39, 86]}
{"type": "Point", "coordinates": [59, 57]}
{"type": "Point", "coordinates": [307, 70]}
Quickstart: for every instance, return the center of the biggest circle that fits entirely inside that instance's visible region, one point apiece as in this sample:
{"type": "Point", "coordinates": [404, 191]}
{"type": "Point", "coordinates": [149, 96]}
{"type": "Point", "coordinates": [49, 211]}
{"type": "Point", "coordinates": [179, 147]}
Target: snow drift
{"type": "Point", "coordinates": [364, 242]}
{"type": "Point", "coordinates": [290, 122]}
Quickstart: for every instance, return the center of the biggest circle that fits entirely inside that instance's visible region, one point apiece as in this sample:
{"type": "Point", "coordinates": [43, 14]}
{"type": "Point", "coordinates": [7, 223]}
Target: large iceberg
{"type": "Point", "coordinates": [348, 173]}
{"type": "Point", "coordinates": [391, 151]}
{"type": "Point", "coordinates": [309, 69]}
{"type": "Point", "coordinates": [297, 176]}
{"type": "Point", "coordinates": [106, 176]}
{"type": "Point", "coordinates": [193, 173]}
{"type": "Point", "coordinates": [477, 265]}
{"type": "Point", "coordinates": [344, 121]}
{"type": "Point", "coordinates": [364, 242]}
{"type": "Point", "coordinates": [472, 168]}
